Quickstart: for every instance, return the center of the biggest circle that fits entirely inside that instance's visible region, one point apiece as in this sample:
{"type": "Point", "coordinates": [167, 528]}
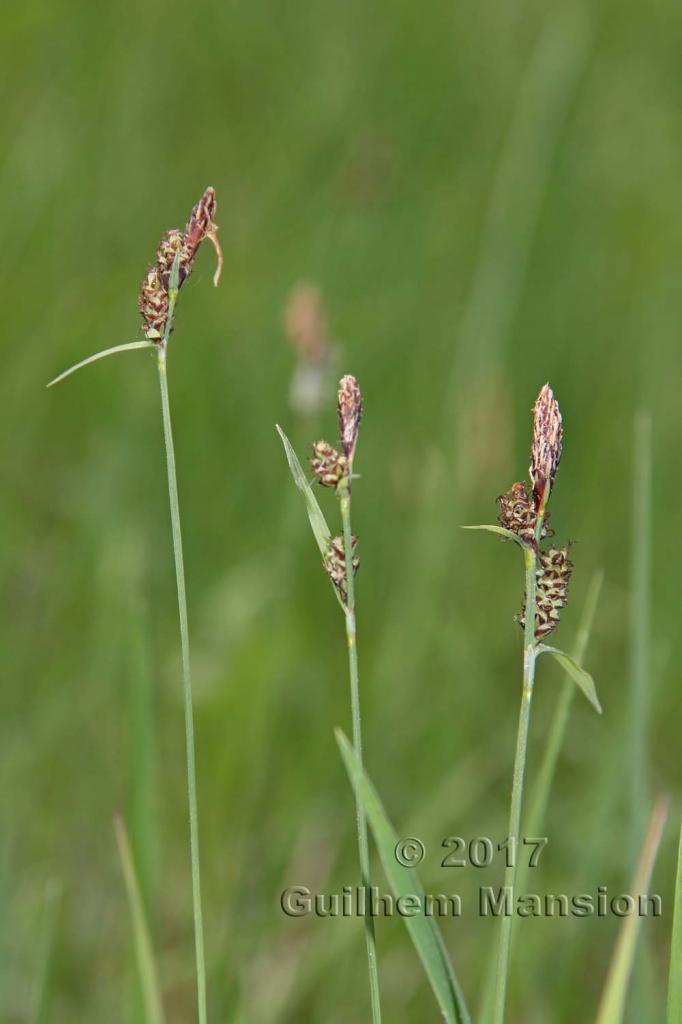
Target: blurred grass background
{"type": "Point", "coordinates": [489, 197]}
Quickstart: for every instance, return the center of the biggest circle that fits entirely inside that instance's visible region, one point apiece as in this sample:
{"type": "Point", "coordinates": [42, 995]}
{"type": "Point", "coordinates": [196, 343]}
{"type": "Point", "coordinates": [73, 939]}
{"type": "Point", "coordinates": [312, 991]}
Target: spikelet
{"type": "Point", "coordinates": [545, 451]}
{"type": "Point", "coordinates": [329, 465]}
{"type": "Point", "coordinates": [350, 414]}
{"type": "Point", "coordinates": [553, 576]}
{"type": "Point", "coordinates": [519, 515]}
{"type": "Point", "coordinates": [153, 302]}
{"type": "Point", "coordinates": [335, 563]}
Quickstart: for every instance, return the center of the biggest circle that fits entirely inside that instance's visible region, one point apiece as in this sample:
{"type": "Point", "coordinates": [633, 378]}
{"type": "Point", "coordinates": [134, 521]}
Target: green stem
{"type": "Point", "coordinates": [363, 845]}
{"type": "Point", "coordinates": [186, 676]}
{"type": "Point", "coordinates": [557, 730]}
{"type": "Point", "coordinates": [529, 656]}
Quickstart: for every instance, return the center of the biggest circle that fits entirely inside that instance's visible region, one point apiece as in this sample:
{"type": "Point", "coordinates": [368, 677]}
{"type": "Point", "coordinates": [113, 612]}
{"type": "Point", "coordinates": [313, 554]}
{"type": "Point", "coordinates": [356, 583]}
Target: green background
{"type": "Point", "coordinates": [488, 196]}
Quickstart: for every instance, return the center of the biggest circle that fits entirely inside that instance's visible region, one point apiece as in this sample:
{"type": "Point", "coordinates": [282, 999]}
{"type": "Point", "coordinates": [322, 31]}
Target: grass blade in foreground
{"type": "Point", "coordinates": [675, 978]}
{"type": "Point", "coordinates": [423, 930]}
{"type": "Point", "coordinates": [144, 955]}
{"type": "Point", "coordinates": [612, 1005]}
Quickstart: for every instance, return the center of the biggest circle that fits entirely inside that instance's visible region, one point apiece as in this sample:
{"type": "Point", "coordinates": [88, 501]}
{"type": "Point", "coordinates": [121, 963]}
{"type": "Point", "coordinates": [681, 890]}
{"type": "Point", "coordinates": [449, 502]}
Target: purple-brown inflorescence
{"type": "Point", "coordinates": [335, 563]}
{"type": "Point", "coordinates": [553, 575]}
{"type": "Point", "coordinates": [329, 465]}
{"type": "Point", "coordinates": [526, 515]}
{"type": "Point", "coordinates": [519, 514]}
{"type": "Point", "coordinates": [154, 301]}
{"type": "Point", "coordinates": [546, 448]}
{"type": "Point", "coordinates": [350, 414]}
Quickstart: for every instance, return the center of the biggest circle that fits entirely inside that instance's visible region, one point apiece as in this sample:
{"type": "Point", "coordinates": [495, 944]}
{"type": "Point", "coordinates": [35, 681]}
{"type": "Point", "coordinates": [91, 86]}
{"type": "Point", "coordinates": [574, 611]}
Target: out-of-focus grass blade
{"type": "Point", "coordinates": [675, 977]}
{"type": "Point", "coordinates": [315, 515]}
{"type": "Point", "coordinates": [47, 944]}
{"type": "Point", "coordinates": [612, 1006]}
{"type": "Point", "coordinates": [144, 954]}
{"type": "Point", "coordinates": [576, 672]}
{"type": "Point", "coordinates": [500, 530]}
{"type": "Point", "coordinates": [405, 881]}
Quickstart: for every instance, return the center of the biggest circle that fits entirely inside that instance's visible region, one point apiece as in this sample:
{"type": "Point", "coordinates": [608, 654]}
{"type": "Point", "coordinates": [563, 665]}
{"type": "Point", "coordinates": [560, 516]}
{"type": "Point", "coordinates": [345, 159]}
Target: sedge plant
{"type": "Point", "coordinates": [524, 519]}
{"type": "Point", "coordinates": [158, 296]}
{"type": "Point", "coordinates": [333, 468]}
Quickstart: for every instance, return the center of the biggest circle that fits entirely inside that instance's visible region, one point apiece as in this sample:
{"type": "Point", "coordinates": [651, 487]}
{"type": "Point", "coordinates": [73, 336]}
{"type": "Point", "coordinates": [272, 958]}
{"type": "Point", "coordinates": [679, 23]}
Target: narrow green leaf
{"type": "Point", "coordinates": [47, 943]}
{"type": "Point", "coordinates": [405, 882]}
{"type": "Point", "coordinates": [128, 347]}
{"type": "Point", "coordinates": [500, 530]}
{"type": "Point", "coordinates": [144, 954]}
{"type": "Point", "coordinates": [675, 978]}
{"type": "Point", "coordinates": [612, 1005]}
{"type": "Point", "coordinates": [577, 674]}
{"type": "Point", "coordinates": [315, 515]}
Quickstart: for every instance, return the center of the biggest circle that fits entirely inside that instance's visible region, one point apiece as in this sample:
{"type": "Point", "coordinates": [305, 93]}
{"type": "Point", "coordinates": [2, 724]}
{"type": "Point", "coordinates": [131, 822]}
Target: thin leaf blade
{"type": "Point", "coordinates": [612, 1005]}
{"type": "Point", "coordinates": [129, 346]}
{"type": "Point", "coordinates": [404, 881]}
{"type": "Point", "coordinates": [316, 517]}
{"type": "Point", "coordinates": [499, 530]}
{"type": "Point", "coordinates": [675, 978]}
{"type": "Point", "coordinates": [144, 954]}
{"type": "Point", "coordinates": [576, 672]}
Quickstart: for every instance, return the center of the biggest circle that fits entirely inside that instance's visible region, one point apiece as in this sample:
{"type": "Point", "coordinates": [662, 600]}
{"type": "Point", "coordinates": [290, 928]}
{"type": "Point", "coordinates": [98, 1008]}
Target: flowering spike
{"type": "Point", "coordinates": [518, 514]}
{"type": "Point", "coordinates": [335, 563]}
{"type": "Point", "coordinates": [153, 301]}
{"type": "Point", "coordinates": [328, 464]}
{"type": "Point", "coordinates": [201, 224]}
{"type": "Point", "coordinates": [553, 576]}
{"type": "Point", "coordinates": [546, 448]}
{"type": "Point", "coordinates": [350, 414]}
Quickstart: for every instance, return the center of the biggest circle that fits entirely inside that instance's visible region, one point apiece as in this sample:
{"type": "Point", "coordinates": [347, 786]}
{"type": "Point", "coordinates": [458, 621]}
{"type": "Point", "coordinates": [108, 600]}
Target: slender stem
{"type": "Point", "coordinates": [186, 676]}
{"type": "Point", "coordinates": [557, 729]}
{"type": "Point", "coordinates": [529, 656]}
{"type": "Point", "coordinates": [363, 845]}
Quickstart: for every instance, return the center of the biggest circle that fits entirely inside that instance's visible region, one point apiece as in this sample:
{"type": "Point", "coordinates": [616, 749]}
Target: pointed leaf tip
{"type": "Point", "coordinates": [499, 530]}
{"type": "Point", "coordinates": [128, 347]}
{"type": "Point", "coordinates": [576, 672]}
{"type": "Point", "coordinates": [316, 517]}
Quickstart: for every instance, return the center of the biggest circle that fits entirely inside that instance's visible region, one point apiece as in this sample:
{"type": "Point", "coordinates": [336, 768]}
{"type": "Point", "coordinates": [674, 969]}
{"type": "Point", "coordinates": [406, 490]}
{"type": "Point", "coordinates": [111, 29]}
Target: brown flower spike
{"type": "Point", "coordinates": [350, 414]}
{"type": "Point", "coordinates": [546, 448]}
{"type": "Point", "coordinates": [519, 515]}
{"type": "Point", "coordinates": [154, 300]}
{"type": "Point", "coordinates": [328, 464]}
{"type": "Point", "coordinates": [335, 563]}
{"type": "Point", "coordinates": [553, 576]}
